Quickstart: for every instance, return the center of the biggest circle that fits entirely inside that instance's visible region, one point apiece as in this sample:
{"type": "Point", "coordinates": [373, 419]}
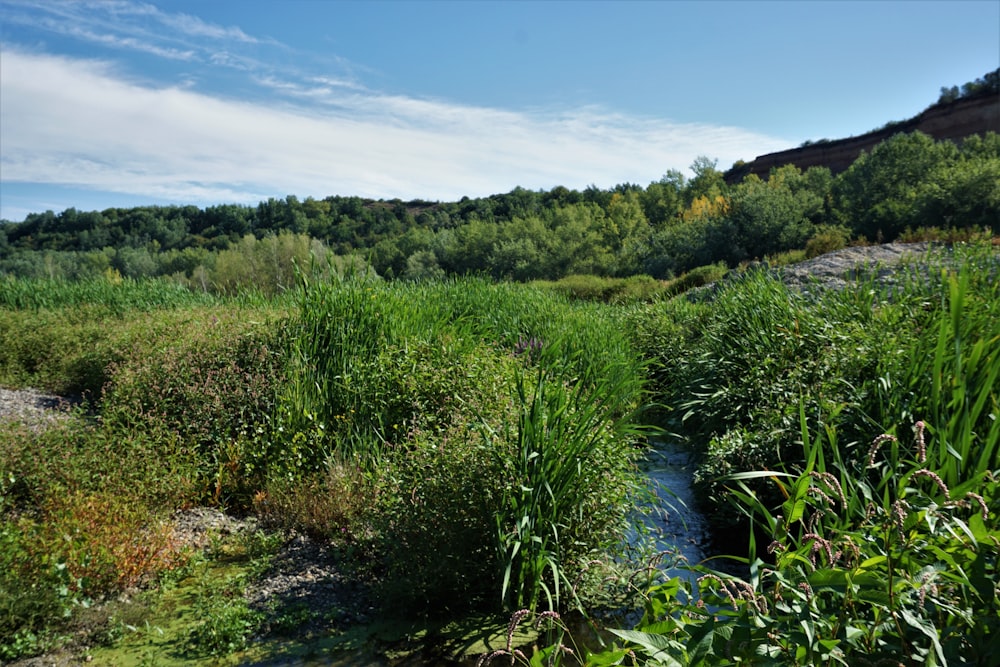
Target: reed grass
{"type": "Point", "coordinates": [352, 335]}
{"type": "Point", "coordinates": [398, 379]}
{"type": "Point", "coordinates": [569, 477]}
{"type": "Point", "coordinates": [115, 296]}
{"type": "Point", "coordinates": [873, 547]}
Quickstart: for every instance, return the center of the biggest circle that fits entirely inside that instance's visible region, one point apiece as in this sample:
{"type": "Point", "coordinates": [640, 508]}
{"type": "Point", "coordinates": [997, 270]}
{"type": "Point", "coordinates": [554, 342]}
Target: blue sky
{"type": "Point", "coordinates": [125, 103]}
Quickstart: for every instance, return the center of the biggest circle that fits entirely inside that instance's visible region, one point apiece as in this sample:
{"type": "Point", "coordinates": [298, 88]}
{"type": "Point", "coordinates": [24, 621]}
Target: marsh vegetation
{"type": "Point", "coordinates": [452, 403]}
{"type": "Point", "coordinates": [469, 447]}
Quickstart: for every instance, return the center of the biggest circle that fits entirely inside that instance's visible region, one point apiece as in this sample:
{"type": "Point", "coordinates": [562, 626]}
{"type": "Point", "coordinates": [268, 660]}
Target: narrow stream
{"type": "Point", "coordinates": [677, 524]}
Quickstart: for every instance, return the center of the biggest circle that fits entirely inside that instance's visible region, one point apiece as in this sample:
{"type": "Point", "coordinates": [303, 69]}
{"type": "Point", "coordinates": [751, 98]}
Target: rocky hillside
{"type": "Point", "coordinates": [954, 120]}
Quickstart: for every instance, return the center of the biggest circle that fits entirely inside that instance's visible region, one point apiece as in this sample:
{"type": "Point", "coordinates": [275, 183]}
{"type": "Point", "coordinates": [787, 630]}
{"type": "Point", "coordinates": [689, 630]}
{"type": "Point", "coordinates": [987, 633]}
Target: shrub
{"type": "Point", "coordinates": [81, 514]}
{"type": "Point", "coordinates": [417, 385]}
{"type": "Point", "coordinates": [367, 359]}
{"type": "Point", "coordinates": [872, 560]}
{"type": "Point", "coordinates": [698, 277]}
{"type": "Point", "coordinates": [328, 505]}
{"type": "Point", "coordinates": [214, 385]}
{"type": "Point", "coordinates": [434, 525]}
{"type": "Point", "coordinates": [827, 238]}
{"type": "Point", "coordinates": [608, 290]}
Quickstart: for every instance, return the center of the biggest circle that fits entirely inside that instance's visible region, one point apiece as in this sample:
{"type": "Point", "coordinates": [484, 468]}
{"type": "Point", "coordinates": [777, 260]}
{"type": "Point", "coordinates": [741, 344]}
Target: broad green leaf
{"type": "Point", "coordinates": [657, 647]}
{"type": "Point", "coordinates": [833, 578]}
{"type": "Point", "coordinates": [607, 658]}
{"type": "Point", "coordinates": [876, 597]}
{"type": "Point", "coordinates": [873, 561]}
{"type": "Point", "coordinates": [700, 644]}
{"type": "Point", "coordinates": [754, 474]}
{"type": "Point", "coordinates": [928, 629]}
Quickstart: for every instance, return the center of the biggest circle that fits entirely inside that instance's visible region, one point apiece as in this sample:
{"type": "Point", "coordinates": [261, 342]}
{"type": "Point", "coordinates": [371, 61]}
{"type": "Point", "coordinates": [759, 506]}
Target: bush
{"type": "Point", "coordinates": [214, 386]}
{"type": "Point", "coordinates": [827, 238]}
{"type": "Point", "coordinates": [428, 389]}
{"type": "Point", "coordinates": [81, 514]}
{"type": "Point", "coordinates": [872, 559]}
{"type": "Point", "coordinates": [698, 277]}
{"type": "Point", "coordinates": [608, 290]}
{"type": "Point", "coordinates": [733, 373]}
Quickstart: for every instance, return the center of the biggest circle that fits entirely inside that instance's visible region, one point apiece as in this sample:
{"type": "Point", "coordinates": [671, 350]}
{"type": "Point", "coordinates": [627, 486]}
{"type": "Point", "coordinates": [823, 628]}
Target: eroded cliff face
{"type": "Point", "coordinates": [954, 121]}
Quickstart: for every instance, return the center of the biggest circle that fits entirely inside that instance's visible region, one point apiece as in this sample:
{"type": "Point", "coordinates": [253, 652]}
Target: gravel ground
{"type": "Point", "coordinates": [303, 575]}
{"type": "Point", "coordinates": [34, 408]}
{"type": "Point", "coordinates": [836, 269]}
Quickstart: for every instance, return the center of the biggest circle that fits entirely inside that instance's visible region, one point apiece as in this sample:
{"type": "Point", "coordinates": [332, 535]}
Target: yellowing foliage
{"type": "Point", "coordinates": [707, 207]}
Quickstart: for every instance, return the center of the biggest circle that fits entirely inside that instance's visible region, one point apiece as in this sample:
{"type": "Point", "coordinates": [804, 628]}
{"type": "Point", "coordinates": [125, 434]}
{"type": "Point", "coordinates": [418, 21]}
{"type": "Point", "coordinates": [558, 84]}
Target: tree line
{"type": "Point", "coordinates": [667, 228]}
{"type": "Point", "coordinates": [988, 84]}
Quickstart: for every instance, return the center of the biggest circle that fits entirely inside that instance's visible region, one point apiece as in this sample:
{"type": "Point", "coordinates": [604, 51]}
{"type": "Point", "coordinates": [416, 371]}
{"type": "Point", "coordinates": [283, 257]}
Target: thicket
{"type": "Point", "coordinates": [663, 230]}
{"type": "Point", "coordinates": [472, 445]}
{"type": "Point", "coordinates": [858, 432]}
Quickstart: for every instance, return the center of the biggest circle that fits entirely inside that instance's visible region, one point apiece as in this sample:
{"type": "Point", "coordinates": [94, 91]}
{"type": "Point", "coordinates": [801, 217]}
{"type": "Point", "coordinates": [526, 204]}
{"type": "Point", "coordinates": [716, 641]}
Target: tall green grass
{"type": "Point", "coordinates": [354, 339]}
{"type": "Point", "coordinates": [873, 547]}
{"type": "Point", "coordinates": [871, 357]}
{"type": "Point", "coordinates": [569, 477]}
{"type": "Point", "coordinates": [62, 336]}
{"type": "Point", "coordinates": [115, 296]}
{"type": "Point", "coordinates": [866, 549]}
{"type": "Point", "coordinates": [951, 379]}
{"type": "Point", "coordinates": [493, 422]}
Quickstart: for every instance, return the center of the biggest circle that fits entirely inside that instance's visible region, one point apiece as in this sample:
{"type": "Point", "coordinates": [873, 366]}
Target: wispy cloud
{"type": "Point", "coordinates": [131, 43]}
{"type": "Point", "coordinates": [102, 18]}
{"type": "Point", "coordinates": [312, 127]}
{"type": "Point", "coordinates": [192, 26]}
{"type": "Point", "coordinates": [139, 27]}
{"type": "Point", "coordinates": [78, 122]}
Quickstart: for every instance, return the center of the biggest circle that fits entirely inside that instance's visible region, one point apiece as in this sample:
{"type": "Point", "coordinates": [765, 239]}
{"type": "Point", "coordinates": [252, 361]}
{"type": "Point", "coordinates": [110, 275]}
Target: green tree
{"type": "Point", "coordinates": [625, 231]}
{"type": "Point", "coordinates": [663, 200]}
{"type": "Point", "coordinates": [467, 248]}
{"type": "Point", "coordinates": [578, 242]}
{"type": "Point", "coordinates": [517, 259]}
{"type": "Point", "coordinates": [135, 263]}
{"type": "Point", "coordinates": [768, 217]}
{"type": "Point", "coordinates": [268, 264]}
{"type": "Point", "coordinates": [523, 250]}
{"type": "Point", "coordinates": [422, 266]}
{"type": "Point", "coordinates": [877, 196]}
{"type": "Point", "coordinates": [707, 182]}
{"type": "Point", "coordinates": [959, 194]}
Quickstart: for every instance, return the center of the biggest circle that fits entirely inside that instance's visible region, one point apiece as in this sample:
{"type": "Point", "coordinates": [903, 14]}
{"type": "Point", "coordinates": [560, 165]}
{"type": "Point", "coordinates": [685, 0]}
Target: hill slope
{"type": "Point", "coordinates": [953, 120]}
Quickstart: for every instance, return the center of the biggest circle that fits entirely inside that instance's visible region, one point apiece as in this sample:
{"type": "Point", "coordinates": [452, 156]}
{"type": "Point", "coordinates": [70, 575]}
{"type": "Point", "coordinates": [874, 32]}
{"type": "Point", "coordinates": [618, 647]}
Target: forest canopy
{"type": "Point", "coordinates": [665, 229]}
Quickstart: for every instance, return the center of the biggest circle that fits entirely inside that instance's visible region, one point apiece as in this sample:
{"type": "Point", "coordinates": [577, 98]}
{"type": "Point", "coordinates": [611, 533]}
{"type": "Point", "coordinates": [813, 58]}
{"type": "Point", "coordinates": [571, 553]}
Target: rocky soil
{"type": "Point", "coordinates": [303, 575]}
{"type": "Point", "coordinates": [835, 269]}
{"type": "Point", "coordinates": [33, 408]}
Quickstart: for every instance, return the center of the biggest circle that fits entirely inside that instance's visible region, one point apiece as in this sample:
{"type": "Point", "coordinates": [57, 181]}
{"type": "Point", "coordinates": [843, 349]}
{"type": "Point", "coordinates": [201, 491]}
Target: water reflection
{"type": "Point", "coordinates": [677, 523]}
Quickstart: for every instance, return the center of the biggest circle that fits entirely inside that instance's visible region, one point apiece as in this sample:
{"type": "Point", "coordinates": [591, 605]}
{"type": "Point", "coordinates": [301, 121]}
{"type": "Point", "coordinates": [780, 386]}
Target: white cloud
{"type": "Point", "coordinates": [131, 43]}
{"type": "Point", "coordinates": [195, 27]}
{"type": "Point", "coordinates": [76, 123]}
{"type": "Point", "coordinates": [131, 26]}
